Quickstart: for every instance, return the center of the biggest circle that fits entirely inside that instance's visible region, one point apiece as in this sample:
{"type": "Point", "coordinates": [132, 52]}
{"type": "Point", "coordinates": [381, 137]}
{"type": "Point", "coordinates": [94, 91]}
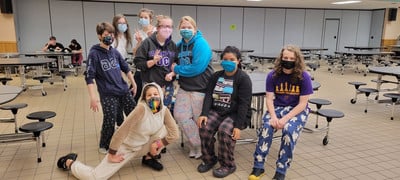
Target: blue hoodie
{"type": "Point", "coordinates": [194, 68]}
{"type": "Point", "coordinates": [105, 67]}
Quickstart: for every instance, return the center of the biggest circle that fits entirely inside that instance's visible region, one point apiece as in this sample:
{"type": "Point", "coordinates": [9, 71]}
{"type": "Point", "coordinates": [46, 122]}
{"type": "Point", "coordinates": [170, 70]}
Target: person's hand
{"type": "Point", "coordinates": [236, 134]}
{"type": "Point", "coordinates": [94, 104]}
{"type": "Point", "coordinates": [172, 67]}
{"type": "Point", "coordinates": [115, 158]}
{"type": "Point", "coordinates": [134, 90]}
{"type": "Point", "coordinates": [273, 122]}
{"type": "Point", "coordinates": [156, 56]}
{"type": "Point", "coordinates": [155, 147]}
{"type": "Point", "coordinates": [202, 120]}
{"type": "Point", "coordinates": [137, 36]}
{"type": "Point", "coordinates": [58, 49]}
{"type": "Point", "coordinates": [280, 124]}
{"type": "Point", "coordinates": [169, 76]}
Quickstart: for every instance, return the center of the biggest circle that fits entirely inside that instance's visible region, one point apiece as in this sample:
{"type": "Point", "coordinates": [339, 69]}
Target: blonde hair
{"type": "Point", "coordinates": [162, 17]}
{"type": "Point", "coordinates": [188, 19]}
{"type": "Point", "coordinates": [148, 11]}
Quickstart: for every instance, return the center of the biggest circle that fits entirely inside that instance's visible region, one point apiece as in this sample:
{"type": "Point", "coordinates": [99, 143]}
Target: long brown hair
{"type": "Point", "coordinates": [127, 33]}
{"type": "Point", "coordinates": [299, 62]}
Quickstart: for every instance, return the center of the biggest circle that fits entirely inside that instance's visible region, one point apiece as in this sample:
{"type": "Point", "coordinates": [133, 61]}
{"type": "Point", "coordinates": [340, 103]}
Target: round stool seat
{"type": "Point", "coordinates": [357, 83]}
{"type": "Point", "coordinates": [41, 78]}
{"type": "Point", "coordinates": [4, 80]}
{"type": "Point", "coordinates": [13, 106]}
{"type": "Point", "coordinates": [392, 95]}
{"type": "Point", "coordinates": [41, 115]}
{"type": "Point", "coordinates": [330, 113]}
{"type": "Point", "coordinates": [368, 90]}
{"type": "Point", "coordinates": [35, 127]}
{"type": "Point", "coordinates": [318, 101]}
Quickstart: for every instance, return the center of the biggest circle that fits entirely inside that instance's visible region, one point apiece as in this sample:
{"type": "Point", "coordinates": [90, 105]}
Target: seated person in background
{"type": "Point", "coordinates": [76, 49]}
{"type": "Point", "coordinates": [225, 110]}
{"type": "Point", "coordinates": [148, 128]}
{"type": "Point", "coordinates": [53, 45]}
{"type": "Point", "coordinates": [288, 88]}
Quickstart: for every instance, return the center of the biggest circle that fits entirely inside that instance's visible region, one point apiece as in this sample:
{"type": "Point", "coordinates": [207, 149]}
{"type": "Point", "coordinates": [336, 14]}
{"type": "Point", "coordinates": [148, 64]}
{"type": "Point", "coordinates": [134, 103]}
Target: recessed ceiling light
{"type": "Point", "coordinates": [346, 2]}
{"type": "Point", "coordinates": [254, 0]}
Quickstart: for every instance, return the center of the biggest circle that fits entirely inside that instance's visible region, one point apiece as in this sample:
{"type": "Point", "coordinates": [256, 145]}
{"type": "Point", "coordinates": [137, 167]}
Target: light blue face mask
{"type": "Point", "coordinates": [122, 28]}
{"type": "Point", "coordinates": [228, 66]}
{"type": "Point", "coordinates": [144, 22]}
{"type": "Point", "coordinates": [186, 33]}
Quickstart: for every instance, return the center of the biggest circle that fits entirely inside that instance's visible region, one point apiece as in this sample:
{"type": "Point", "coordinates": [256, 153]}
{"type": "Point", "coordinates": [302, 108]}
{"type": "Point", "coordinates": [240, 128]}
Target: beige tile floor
{"type": "Point", "coordinates": [361, 146]}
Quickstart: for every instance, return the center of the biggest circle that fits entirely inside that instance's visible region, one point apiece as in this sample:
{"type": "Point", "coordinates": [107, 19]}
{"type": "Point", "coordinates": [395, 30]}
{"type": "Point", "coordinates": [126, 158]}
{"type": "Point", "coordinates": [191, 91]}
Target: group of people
{"type": "Point", "coordinates": [210, 106]}
{"type": "Point", "coordinates": [74, 47]}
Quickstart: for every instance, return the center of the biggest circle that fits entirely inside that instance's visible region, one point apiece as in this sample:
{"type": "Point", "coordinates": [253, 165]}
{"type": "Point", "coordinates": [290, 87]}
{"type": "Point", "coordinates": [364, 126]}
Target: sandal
{"type": "Point", "coordinates": [62, 162]}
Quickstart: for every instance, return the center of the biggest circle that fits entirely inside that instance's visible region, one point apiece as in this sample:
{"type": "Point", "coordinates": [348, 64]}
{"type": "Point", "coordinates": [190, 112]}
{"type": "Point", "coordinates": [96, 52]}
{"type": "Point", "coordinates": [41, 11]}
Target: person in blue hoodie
{"type": "Point", "coordinates": [193, 71]}
{"type": "Point", "coordinates": [104, 68]}
{"type": "Point", "coordinates": [155, 56]}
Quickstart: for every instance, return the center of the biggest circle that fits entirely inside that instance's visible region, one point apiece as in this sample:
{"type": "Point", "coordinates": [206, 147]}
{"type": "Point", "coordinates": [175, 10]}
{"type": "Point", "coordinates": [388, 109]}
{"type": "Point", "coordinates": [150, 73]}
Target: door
{"type": "Point", "coordinates": [375, 36]}
{"type": "Point", "coordinates": [331, 35]}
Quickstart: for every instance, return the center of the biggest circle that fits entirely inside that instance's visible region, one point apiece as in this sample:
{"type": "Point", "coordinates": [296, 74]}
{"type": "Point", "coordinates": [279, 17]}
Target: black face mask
{"type": "Point", "coordinates": [108, 40]}
{"type": "Point", "coordinates": [287, 64]}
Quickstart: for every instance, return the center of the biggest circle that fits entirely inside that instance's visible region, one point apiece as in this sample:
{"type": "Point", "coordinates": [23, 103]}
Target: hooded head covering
{"type": "Point", "coordinates": [142, 98]}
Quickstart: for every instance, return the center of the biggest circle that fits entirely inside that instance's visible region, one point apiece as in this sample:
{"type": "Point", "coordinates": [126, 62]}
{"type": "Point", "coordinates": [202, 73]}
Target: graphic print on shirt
{"type": "Point", "coordinates": [107, 65]}
{"type": "Point", "coordinates": [286, 88]}
{"type": "Point", "coordinates": [165, 57]}
{"type": "Point", "coordinates": [184, 57]}
{"type": "Point", "coordinates": [222, 93]}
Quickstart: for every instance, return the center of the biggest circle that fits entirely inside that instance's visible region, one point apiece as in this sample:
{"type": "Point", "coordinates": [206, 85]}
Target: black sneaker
{"type": "Point", "coordinates": [203, 167]}
{"type": "Point", "coordinates": [223, 171]}
{"type": "Point", "coordinates": [256, 174]}
{"type": "Point", "coordinates": [164, 150]}
{"type": "Point", "coordinates": [152, 163]}
{"type": "Point", "coordinates": [61, 163]}
{"type": "Point", "coordinates": [278, 176]}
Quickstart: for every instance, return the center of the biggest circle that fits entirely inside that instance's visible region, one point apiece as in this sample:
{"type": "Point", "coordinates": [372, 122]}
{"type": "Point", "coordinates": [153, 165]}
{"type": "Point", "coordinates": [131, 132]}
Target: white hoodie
{"type": "Point", "coordinates": [141, 124]}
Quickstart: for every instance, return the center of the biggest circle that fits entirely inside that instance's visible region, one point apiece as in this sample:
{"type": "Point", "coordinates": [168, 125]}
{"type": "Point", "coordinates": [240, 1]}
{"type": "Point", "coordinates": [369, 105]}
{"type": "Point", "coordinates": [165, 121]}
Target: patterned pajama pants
{"type": "Point", "coordinates": [226, 145]}
{"type": "Point", "coordinates": [113, 108]}
{"type": "Point", "coordinates": [290, 135]}
{"type": "Point", "coordinates": [187, 109]}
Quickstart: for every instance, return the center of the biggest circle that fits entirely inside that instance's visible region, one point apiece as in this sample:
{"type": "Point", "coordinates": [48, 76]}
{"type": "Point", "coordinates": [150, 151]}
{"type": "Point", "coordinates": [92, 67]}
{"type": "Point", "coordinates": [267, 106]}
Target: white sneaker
{"type": "Point", "coordinates": [103, 150]}
{"type": "Point", "coordinates": [195, 153]}
{"type": "Point", "coordinates": [198, 152]}
{"type": "Point", "coordinates": [192, 153]}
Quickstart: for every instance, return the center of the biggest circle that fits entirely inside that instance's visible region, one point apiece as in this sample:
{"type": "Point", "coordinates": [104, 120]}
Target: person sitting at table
{"type": "Point", "coordinates": [76, 49]}
{"type": "Point", "coordinates": [53, 45]}
{"type": "Point", "coordinates": [147, 129]}
{"type": "Point", "coordinates": [225, 110]}
{"type": "Point", "coordinates": [288, 88]}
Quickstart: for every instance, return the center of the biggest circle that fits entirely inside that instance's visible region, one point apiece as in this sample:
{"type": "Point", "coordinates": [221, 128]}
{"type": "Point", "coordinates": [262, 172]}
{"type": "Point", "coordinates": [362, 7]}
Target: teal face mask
{"type": "Point", "coordinates": [186, 33]}
{"type": "Point", "coordinates": [228, 66]}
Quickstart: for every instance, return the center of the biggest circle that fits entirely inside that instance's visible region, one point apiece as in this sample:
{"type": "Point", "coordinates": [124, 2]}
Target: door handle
{"type": "Point", "coordinates": [334, 37]}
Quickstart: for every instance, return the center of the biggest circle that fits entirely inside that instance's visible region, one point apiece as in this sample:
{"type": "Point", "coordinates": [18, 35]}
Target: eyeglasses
{"type": "Point", "coordinates": [165, 26]}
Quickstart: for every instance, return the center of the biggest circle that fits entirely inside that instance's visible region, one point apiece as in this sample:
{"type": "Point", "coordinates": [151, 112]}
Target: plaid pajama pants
{"type": "Point", "coordinates": [226, 145]}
